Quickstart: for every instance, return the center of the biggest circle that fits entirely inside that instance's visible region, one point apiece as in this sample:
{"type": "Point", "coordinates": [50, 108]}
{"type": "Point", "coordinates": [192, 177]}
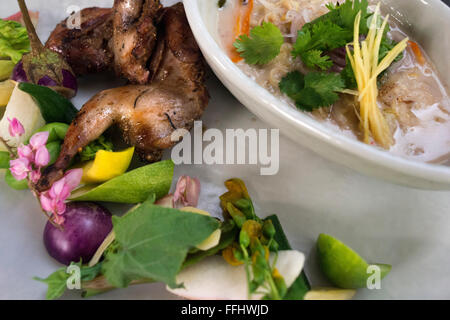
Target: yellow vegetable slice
{"type": "Point", "coordinates": [330, 294]}
{"type": "Point", "coordinates": [6, 89]}
{"type": "Point", "coordinates": [107, 165]}
{"type": "Point", "coordinates": [364, 62]}
{"type": "Point", "coordinates": [213, 239]}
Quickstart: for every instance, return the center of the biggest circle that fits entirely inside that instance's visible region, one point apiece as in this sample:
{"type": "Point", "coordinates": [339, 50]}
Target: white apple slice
{"type": "Point", "coordinates": [214, 279]}
{"type": "Point", "coordinates": [214, 239]}
{"type": "Point", "coordinates": [21, 106]}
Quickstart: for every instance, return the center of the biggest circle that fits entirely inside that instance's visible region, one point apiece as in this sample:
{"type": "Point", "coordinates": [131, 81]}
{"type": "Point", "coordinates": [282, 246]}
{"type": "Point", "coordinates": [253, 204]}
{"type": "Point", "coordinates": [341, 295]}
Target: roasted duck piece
{"type": "Point", "coordinates": [146, 115]}
{"type": "Point", "coordinates": [88, 49]}
{"type": "Point", "coordinates": [134, 37]}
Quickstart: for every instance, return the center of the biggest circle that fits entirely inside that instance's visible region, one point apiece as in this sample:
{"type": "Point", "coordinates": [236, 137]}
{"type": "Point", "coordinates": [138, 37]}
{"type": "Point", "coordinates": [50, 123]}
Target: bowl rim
{"type": "Point", "coordinates": [436, 173]}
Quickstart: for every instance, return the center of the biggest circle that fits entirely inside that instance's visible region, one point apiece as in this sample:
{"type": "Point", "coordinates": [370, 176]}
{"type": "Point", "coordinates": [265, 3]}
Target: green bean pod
{"type": "Point", "coordinates": [54, 148]}
{"type": "Point", "coordinates": [57, 131]}
{"type": "Point", "coordinates": [4, 160]}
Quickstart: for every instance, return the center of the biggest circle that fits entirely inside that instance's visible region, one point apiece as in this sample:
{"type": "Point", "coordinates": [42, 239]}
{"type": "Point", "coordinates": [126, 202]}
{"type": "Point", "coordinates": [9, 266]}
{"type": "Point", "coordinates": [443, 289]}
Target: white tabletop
{"type": "Point", "coordinates": [385, 223]}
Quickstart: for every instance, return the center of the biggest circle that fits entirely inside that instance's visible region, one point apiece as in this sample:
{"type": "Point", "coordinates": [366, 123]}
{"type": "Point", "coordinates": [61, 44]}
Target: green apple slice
{"type": "Point", "coordinates": [132, 187]}
{"type": "Point", "coordinates": [342, 266]}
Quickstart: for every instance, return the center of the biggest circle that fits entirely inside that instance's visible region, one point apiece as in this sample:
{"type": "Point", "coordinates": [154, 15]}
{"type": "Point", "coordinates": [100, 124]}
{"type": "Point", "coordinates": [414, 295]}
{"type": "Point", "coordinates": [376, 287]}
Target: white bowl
{"type": "Point", "coordinates": [431, 21]}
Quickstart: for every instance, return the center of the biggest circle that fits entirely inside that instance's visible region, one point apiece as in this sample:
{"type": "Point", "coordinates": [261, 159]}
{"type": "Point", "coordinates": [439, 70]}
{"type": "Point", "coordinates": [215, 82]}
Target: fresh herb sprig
{"type": "Point", "coordinates": [328, 32]}
{"type": "Point", "coordinates": [313, 90]}
{"type": "Point", "coordinates": [263, 45]}
{"type": "Point", "coordinates": [253, 244]}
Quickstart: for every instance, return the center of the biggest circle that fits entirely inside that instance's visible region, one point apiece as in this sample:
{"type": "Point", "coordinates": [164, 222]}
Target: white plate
{"type": "Point", "coordinates": [429, 17]}
{"type": "Point", "coordinates": [405, 227]}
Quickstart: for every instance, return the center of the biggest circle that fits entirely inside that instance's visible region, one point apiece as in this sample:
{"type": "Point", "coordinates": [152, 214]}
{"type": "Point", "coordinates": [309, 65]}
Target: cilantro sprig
{"type": "Point", "coordinates": [263, 45]}
{"type": "Point", "coordinates": [312, 91]}
{"type": "Point", "coordinates": [313, 41]}
{"type": "Point", "coordinates": [329, 32]}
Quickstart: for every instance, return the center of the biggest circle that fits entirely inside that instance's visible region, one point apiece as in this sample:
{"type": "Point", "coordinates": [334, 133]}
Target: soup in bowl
{"type": "Point", "coordinates": [352, 80]}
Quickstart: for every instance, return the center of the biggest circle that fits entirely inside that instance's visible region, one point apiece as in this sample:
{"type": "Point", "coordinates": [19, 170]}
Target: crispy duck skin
{"type": "Point", "coordinates": [134, 27]}
{"type": "Point", "coordinates": [147, 115]}
{"type": "Point", "coordinates": [87, 49]}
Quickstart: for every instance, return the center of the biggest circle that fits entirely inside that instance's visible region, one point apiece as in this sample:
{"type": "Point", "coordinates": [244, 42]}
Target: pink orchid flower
{"type": "Point", "coordinates": [20, 168]}
{"type": "Point", "coordinates": [15, 128]}
{"type": "Point", "coordinates": [187, 191]}
{"type": "Point", "coordinates": [54, 200]}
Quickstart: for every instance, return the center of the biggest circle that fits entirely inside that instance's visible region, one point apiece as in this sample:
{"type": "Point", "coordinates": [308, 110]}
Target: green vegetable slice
{"type": "Point", "coordinates": [263, 45]}
{"type": "Point", "coordinates": [54, 107]}
{"type": "Point", "coordinates": [152, 242]}
{"type": "Point", "coordinates": [132, 187]}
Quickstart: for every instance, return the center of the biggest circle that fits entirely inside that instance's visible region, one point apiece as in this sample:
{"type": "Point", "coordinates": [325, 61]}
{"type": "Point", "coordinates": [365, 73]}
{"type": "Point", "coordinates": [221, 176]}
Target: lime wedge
{"type": "Point", "coordinates": [132, 187]}
{"type": "Point", "coordinates": [342, 266]}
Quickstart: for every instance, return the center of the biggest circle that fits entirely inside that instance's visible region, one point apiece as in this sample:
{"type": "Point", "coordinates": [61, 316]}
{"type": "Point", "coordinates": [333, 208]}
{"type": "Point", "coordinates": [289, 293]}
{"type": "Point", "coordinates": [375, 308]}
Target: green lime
{"type": "Point", "coordinates": [344, 267]}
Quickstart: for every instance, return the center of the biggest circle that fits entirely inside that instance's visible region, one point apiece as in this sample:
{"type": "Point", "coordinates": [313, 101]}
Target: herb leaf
{"type": "Point", "coordinates": [262, 46]}
{"type": "Point", "coordinates": [312, 91]}
{"type": "Point", "coordinates": [57, 281]}
{"type": "Point", "coordinates": [152, 242]}
{"type": "Point", "coordinates": [328, 32]}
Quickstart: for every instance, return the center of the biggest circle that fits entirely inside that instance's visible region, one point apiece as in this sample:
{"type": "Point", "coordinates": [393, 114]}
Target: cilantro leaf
{"type": "Point", "coordinates": [344, 14]}
{"type": "Point", "coordinates": [328, 32]}
{"type": "Point", "coordinates": [315, 58]}
{"type": "Point", "coordinates": [262, 46]}
{"type": "Point", "coordinates": [317, 38]}
{"type": "Point", "coordinates": [312, 91]}
{"type": "Point", "coordinates": [152, 243]}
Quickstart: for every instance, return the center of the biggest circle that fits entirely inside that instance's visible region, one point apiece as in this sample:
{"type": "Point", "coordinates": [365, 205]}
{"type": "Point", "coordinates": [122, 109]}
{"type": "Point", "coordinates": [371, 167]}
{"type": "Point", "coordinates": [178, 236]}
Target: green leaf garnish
{"type": "Point", "coordinates": [262, 46]}
{"type": "Point", "coordinates": [54, 107]}
{"type": "Point", "coordinates": [152, 243]}
{"type": "Point", "coordinates": [57, 281]}
{"type": "Point", "coordinates": [313, 90]}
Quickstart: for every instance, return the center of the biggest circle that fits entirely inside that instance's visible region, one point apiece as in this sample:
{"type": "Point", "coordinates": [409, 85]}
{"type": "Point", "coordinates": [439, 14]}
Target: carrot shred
{"type": "Point", "coordinates": [241, 27]}
{"type": "Point", "coordinates": [417, 52]}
